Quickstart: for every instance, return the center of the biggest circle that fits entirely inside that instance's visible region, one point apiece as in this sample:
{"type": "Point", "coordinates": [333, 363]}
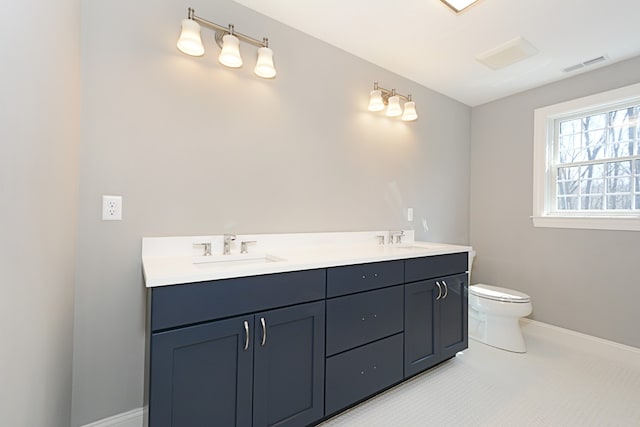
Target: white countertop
{"type": "Point", "coordinates": [175, 260]}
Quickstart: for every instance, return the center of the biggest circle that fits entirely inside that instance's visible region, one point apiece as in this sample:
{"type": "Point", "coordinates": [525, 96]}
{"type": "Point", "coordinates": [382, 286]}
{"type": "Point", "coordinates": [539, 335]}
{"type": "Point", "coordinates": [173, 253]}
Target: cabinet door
{"type": "Point", "coordinates": [420, 326]}
{"type": "Point", "coordinates": [201, 375]}
{"type": "Point", "coordinates": [289, 366]}
{"type": "Point", "coordinates": [453, 315]}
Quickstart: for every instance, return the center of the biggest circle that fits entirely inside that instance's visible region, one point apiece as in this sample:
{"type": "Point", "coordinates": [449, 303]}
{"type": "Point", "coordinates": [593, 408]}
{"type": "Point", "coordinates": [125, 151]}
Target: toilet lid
{"type": "Point", "coordinates": [498, 294]}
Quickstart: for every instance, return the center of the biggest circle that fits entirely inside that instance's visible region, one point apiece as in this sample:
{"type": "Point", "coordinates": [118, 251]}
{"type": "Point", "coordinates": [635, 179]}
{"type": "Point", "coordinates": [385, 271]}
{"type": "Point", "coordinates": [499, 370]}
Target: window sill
{"type": "Point", "coordinates": [627, 223]}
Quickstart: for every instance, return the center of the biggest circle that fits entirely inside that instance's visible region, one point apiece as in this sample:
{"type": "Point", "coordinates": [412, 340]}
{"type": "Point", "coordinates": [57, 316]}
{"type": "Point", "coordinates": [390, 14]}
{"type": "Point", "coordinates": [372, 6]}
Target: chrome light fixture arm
{"type": "Point", "coordinates": [221, 31]}
{"type": "Point", "coordinates": [388, 93]}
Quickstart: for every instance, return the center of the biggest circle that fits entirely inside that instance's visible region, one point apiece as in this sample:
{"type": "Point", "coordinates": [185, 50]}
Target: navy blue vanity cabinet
{"type": "Point", "coordinates": [454, 312]}
{"type": "Point", "coordinates": [436, 310]}
{"type": "Point", "coordinates": [202, 375]}
{"type": "Point", "coordinates": [364, 333]}
{"type": "Point", "coordinates": [420, 317]}
{"type": "Point", "coordinates": [253, 368]}
{"type": "Point", "coordinates": [288, 367]}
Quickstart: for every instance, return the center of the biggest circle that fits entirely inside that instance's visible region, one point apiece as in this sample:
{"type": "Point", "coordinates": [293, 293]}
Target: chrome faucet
{"type": "Point", "coordinates": [397, 234]}
{"type": "Point", "coordinates": [207, 247]}
{"type": "Point", "coordinates": [243, 246]}
{"type": "Point", "coordinates": [228, 238]}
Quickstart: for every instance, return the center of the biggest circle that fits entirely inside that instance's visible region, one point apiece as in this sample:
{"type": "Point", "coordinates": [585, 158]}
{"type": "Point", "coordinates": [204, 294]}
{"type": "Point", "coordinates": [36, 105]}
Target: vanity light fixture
{"type": "Point", "coordinates": [190, 43]}
{"type": "Point", "coordinates": [379, 97]}
{"type": "Point", "coordinates": [458, 5]}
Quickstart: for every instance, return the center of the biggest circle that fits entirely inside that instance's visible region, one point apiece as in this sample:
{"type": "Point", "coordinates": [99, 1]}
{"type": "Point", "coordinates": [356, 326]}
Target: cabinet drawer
{"type": "Point", "coordinates": [178, 305]}
{"type": "Point", "coordinates": [363, 277]}
{"type": "Point", "coordinates": [359, 373]}
{"type": "Point", "coordinates": [357, 319]}
{"type": "Point", "coordinates": [435, 266]}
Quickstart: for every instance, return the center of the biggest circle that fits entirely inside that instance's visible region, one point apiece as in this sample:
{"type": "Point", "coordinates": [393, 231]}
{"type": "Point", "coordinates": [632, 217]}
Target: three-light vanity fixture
{"type": "Point", "coordinates": [228, 39]}
{"type": "Point", "coordinates": [379, 97]}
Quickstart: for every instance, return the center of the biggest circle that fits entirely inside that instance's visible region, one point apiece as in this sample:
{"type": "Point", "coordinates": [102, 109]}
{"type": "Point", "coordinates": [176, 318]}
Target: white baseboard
{"type": "Point", "coordinates": [613, 344]}
{"type": "Point", "coordinates": [132, 418]}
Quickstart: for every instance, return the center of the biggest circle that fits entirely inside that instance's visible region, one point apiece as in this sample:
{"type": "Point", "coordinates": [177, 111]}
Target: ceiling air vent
{"type": "Point", "coordinates": [585, 63]}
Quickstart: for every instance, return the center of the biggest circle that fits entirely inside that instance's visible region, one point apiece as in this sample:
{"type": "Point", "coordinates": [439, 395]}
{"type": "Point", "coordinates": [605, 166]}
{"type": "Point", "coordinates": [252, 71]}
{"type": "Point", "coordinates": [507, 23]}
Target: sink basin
{"type": "Point", "coordinates": [237, 259]}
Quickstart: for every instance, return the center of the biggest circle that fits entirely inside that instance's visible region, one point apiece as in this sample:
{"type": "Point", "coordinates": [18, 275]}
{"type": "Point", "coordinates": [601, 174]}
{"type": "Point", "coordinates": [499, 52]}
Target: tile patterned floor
{"type": "Point", "coordinates": [564, 380]}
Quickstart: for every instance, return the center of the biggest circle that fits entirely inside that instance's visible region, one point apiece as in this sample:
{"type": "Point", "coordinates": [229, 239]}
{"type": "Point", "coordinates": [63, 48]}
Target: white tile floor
{"type": "Point", "coordinates": [564, 380]}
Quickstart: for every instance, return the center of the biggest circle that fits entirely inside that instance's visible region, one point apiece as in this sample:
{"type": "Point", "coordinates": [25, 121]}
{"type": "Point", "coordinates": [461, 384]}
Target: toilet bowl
{"type": "Point", "coordinates": [494, 315]}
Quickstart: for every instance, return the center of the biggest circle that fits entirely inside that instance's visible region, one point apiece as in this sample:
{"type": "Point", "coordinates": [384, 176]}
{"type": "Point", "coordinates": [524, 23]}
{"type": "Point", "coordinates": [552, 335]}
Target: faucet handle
{"type": "Point", "coordinates": [207, 247]}
{"type": "Point", "coordinates": [397, 234]}
{"type": "Point", "coordinates": [243, 246]}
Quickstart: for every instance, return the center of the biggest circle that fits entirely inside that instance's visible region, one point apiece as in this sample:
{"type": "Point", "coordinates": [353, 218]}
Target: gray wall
{"type": "Point", "coordinates": [195, 148]}
{"type": "Point", "coordinates": [39, 138]}
{"type": "Point", "coordinates": [584, 280]}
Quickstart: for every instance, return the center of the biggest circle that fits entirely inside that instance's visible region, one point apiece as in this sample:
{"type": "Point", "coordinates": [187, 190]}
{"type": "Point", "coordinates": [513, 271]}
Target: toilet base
{"type": "Point", "coordinates": [497, 331]}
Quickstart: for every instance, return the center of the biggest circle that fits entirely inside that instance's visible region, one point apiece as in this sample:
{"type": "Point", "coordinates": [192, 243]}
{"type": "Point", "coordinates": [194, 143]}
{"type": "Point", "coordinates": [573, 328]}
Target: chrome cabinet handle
{"type": "Point", "coordinates": [264, 332]}
{"type": "Point", "coordinates": [446, 289]}
{"type": "Point", "coordinates": [439, 291]}
{"type": "Point", "coordinates": [246, 335]}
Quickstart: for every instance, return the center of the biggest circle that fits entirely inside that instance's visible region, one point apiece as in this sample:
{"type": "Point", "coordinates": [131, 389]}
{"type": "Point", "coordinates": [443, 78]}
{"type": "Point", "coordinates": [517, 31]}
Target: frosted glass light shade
{"type": "Point", "coordinates": [375, 101]}
{"type": "Point", "coordinates": [264, 66]}
{"type": "Point", "coordinates": [230, 54]}
{"type": "Point", "coordinates": [458, 5]}
{"type": "Point", "coordinates": [409, 111]}
{"type": "Point", "coordinates": [393, 109]}
{"type": "Point", "coordinates": [189, 41]}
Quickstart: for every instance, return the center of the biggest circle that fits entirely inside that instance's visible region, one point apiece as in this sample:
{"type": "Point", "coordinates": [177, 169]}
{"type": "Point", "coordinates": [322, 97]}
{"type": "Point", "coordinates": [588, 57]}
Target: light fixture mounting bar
{"type": "Point", "coordinates": [228, 30]}
{"type": "Point", "coordinates": [386, 93]}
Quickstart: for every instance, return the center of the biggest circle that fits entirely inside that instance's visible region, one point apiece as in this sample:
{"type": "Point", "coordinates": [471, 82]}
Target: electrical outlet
{"type": "Point", "coordinates": [409, 214]}
{"type": "Point", "coordinates": [111, 208]}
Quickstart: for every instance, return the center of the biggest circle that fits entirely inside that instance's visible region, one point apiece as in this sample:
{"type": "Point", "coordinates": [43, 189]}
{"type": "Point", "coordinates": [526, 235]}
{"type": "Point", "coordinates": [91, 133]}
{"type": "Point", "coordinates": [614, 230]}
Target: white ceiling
{"type": "Point", "coordinates": [423, 40]}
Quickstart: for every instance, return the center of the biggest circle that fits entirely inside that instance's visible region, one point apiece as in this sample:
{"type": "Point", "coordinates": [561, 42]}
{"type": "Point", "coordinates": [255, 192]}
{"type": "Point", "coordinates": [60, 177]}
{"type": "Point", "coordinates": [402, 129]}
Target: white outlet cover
{"type": "Point", "coordinates": [409, 214]}
{"type": "Point", "coordinates": [111, 208]}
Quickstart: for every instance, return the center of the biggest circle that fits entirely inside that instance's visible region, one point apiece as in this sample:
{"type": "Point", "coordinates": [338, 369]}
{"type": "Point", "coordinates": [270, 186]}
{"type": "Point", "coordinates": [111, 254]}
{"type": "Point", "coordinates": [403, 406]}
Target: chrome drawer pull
{"type": "Point", "coordinates": [264, 332]}
{"type": "Point", "coordinates": [446, 289]}
{"type": "Point", "coordinates": [246, 335]}
{"type": "Point", "coordinates": [439, 291]}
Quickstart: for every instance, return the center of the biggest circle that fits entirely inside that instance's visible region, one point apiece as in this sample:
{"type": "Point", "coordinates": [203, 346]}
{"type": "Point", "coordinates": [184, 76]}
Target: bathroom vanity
{"type": "Point", "coordinates": [296, 332]}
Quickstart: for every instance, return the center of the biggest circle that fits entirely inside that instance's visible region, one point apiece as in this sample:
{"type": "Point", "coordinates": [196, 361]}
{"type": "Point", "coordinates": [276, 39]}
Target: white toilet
{"type": "Point", "coordinates": [494, 315]}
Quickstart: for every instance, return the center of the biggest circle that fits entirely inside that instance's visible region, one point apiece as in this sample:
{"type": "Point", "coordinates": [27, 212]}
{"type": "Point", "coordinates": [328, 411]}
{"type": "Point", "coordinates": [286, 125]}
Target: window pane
{"type": "Point", "coordinates": [569, 173]}
{"type": "Point", "coordinates": [570, 142]}
{"type": "Point", "coordinates": [568, 203]}
{"type": "Point", "coordinates": [570, 126]}
{"type": "Point", "coordinates": [620, 117]}
{"type": "Point", "coordinates": [591, 186]}
{"type": "Point", "coordinates": [568, 181]}
{"type": "Point", "coordinates": [590, 171]}
{"type": "Point", "coordinates": [618, 185]}
{"type": "Point", "coordinates": [619, 168]}
{"type": "Point", "coordinates": [595, 170]}
{"type": "Point", "coordinates": [593, 138]}
{"type": "Point", "coordinates": [619, 150]}
{"type": "Point", "coordinates": [592, 202]}
{"type": "Point", "coordinates": [619, 202]}
{"type": "Point", "coordinates": [597, 121]}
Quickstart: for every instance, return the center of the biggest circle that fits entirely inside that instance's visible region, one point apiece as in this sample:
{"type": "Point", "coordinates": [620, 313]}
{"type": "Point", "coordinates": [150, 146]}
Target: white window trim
{"type": "Point", "coordinates": [542, 155]}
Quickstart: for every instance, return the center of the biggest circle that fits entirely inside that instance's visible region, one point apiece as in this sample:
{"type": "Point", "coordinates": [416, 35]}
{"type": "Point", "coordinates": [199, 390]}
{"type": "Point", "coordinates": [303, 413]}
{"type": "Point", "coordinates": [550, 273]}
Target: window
{"type": "Point", "coordinates": [587, 162]}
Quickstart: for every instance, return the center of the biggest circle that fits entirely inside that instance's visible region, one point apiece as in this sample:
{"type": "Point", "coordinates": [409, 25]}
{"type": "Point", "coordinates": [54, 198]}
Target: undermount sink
{"type": "Point", "coordinates": [237, 259]}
